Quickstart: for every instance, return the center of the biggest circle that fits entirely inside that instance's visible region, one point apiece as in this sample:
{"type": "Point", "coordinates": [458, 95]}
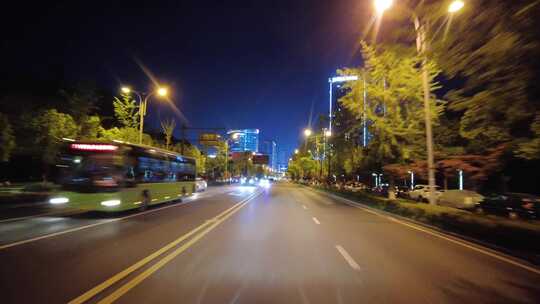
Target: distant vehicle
{"type": "Point", "coordinates": [265, 183]}
{"type": "Point", "coordinates": [200, 184]}
{"type": "Point", "coordinates": [512, 205]}
{"type": "Point", "coordinates": [461, 199]}
{"type": "Point", "coordinates": [421, 193]}
{"type": "Point", "coordinates": [113, 176]}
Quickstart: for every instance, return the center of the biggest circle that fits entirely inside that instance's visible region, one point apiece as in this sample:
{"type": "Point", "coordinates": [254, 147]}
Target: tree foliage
{"type": "Point", "coordinates": [7, 139]}
{"type": "Point", "coordinates": [126, 111]}
{"type": "Point", "coordinates": [167, 127]}
{"type": "Point", "coordinates": [394, 107]}
{"type": "Point", "coordinates": [49, 128]}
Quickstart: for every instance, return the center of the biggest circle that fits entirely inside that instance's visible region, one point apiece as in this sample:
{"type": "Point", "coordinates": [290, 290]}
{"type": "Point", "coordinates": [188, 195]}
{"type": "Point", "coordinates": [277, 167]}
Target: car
{"type": "Point", "coordinates": [461, 199]}
{"type": "Point", "coordinates": [421, 193]}
{"type": "Point", "coordinates": [511, 205]}
{"type": "Point", "coordinates": [402, 191]}
{"type": "Point", "coordinates": [200, 184]}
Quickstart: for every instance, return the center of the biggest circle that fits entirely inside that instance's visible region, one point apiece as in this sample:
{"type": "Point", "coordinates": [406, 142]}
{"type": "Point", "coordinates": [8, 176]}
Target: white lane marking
{"type": "Point", "coordinates": [46, 236]}
{"type": "Point", "coordinates": [441, 236]}
{"type": "Point", "coordinates": [316, 221]}
{"type": "Point", "coordinates": [348, 257]}
{"type": "Point", "coordinates": [304, 206]}
{"type": "Point", "coordinates": [66, 212]}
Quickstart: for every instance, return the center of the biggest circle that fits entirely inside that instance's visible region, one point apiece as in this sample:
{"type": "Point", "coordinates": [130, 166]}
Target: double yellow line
{"type": "Point", "coordinates": [195, 235]}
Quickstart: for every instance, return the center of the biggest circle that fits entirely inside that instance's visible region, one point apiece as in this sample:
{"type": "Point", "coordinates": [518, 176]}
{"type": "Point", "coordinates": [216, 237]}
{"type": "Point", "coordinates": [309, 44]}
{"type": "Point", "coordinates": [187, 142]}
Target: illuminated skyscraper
{"type": "Point", "coordinates": [243, 140]}
{"type": "Point", "coordinates": [269, 147]}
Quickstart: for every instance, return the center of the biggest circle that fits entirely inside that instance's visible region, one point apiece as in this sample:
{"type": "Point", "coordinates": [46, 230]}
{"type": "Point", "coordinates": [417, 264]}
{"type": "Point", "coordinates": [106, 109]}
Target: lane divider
{"type": "Point", "coordinates": [316, 221]}
{"type": "Point", "coordinates": [206, 227]}
{"type": "Point", "coordinates": [348, 257]}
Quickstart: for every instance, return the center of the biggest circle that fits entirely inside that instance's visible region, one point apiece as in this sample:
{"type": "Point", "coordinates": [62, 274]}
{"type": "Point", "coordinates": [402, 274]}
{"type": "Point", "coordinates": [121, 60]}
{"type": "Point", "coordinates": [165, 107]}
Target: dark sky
{"type": "Point", "coordinates": [233, 64]}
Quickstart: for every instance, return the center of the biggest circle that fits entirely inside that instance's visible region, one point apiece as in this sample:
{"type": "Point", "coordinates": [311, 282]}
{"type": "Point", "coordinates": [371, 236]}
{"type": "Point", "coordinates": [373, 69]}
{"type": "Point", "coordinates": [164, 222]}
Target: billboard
{"type": "Point", "coordinates": [209, 139]}
{"type": "Point", "coordinates": [260, 159]}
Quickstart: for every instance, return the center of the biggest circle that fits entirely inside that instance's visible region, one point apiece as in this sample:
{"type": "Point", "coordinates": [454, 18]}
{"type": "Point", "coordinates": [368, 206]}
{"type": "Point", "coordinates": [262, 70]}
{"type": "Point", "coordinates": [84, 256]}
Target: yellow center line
{"type": "Point", "coordinates": [142, 276]}
{"type": "Point", "coordinates": [119, 276]}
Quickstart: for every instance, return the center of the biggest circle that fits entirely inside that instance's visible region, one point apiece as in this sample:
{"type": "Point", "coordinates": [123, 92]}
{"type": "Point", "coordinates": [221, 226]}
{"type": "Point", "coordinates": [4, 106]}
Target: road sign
{"type": "Point", "coordinates": [210, 139]}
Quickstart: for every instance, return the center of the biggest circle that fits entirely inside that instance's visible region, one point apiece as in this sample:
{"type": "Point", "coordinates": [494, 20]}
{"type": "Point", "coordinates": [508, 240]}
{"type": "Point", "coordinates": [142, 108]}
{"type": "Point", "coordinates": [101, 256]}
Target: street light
{"type": "Point", "coordinates": [422, 46]}
{"type": "Point", "coordinates": [296, 151]}
{"type": "Point", "coordinates": [307, 132]}
{"type": "Point", "coordinates": [160, 91]}
{"type": "Point", "coordinates": [328, 133]}
{"type": "Point", "coordinates": [382, 5]}
{"type": "Point", "coordinates": [455, 6]}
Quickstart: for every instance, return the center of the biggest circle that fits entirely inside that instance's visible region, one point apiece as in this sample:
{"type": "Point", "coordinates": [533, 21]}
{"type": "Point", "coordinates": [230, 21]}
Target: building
{"type": "Point", "coordinates": [243, 140]}
{"type": "Point", "coordinates": [269, 147]}
{"type": "Point", "coordinates": [340, 119]}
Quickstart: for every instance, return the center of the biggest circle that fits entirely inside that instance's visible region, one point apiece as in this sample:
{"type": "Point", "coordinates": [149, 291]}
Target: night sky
{"type": "Point", "coordinates": [232, 64]}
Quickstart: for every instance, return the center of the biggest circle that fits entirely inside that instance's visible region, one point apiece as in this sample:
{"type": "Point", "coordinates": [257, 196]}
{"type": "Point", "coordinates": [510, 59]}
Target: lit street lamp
{"type": "Point", "coordinates": [422, 45]}
{"type": "Point", "coordinates": [160, 91]}
{"type": "Point", "coordinates": [296, 151]}
{"type": "Point", "coordinates": [307, 132]}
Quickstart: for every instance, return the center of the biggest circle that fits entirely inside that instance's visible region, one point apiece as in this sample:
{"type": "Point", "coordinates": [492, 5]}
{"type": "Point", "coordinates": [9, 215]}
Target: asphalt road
{"type": "Point", "coordinates": [234, 244]}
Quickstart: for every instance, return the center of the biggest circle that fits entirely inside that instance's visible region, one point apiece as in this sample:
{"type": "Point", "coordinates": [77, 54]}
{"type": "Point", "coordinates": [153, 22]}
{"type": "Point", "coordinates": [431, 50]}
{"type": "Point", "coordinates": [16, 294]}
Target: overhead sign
{"type": "Point", "coordinates": [343, 78]}
{"type": "Point", "coordinates": [209, 139]}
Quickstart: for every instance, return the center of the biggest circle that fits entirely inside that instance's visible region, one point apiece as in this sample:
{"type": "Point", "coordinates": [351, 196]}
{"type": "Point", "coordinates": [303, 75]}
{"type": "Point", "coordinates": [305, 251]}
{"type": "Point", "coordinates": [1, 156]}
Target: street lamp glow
{"type": "Point", "coordinates": [126, 90]}
{"type": "Point", "coordinates": [382, 5]}
{"type": "Point", "coordinates": [296, 151]}
{"type": "Point", "coordinates": [307, 132]}
{"type": "Point", "coordinates": [162, 92]}
{"type": "Point", "coordinates": [328, 133]}
{"type": "Point", "coordinates": [455, 6]}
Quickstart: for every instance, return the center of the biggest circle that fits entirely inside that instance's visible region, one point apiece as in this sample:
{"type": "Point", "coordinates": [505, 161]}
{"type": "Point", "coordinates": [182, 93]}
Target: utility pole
{"type": "Point", "coordinates": [182, 149]}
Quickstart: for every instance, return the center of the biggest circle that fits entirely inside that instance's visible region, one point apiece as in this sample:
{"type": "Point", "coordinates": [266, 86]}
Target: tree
{"type": "Point", "coordinates": [126, 111]}
{"type": "Point", "coordinates": [91, 128]}
{"type": "Point", "coordinates": [167, 126]}
{"type": "Point", "coordinates": [394, 108]}
{"type": "Point", "coordinates": [130, 135]}
{"type": "Point", "coordinates": [493, 50]}
{"type": "Point", "coordinates": [7, 139]}
{"type": "Point", "coordinates": [81, 101]}
{"type": "Point", "coordinates": [49, 128]}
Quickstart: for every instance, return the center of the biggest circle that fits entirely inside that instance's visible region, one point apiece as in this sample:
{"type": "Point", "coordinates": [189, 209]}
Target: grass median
{"type": "Point", "coordinates": [517, 237]}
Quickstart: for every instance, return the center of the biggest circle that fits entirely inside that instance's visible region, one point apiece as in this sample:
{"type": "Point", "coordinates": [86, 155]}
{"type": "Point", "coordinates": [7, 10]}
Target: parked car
{"type": "Point", "coordinates": [461, 199]}
{"type": "Point", "coordinates": [512, 205]}
{"type": "Point", "coordinates": [421, 193]}
{"type": "Point", "coordinates": [402, 191]}
{"type": "Point", "coordinates": [200, 184]}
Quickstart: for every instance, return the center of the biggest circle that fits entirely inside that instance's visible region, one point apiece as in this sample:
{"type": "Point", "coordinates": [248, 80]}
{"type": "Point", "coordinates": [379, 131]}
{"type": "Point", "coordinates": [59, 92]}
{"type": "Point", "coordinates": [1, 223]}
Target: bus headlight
{"type": "Point", "coordinates": [110, 203]}
{"type": "Point", "coordinates": [59, 200]}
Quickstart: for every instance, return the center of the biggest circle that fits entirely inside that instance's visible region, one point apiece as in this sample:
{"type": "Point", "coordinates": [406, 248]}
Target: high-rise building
{"type": "Point", "coordinates": [342, 119]}
{"type": "Point", "coordinates": [269, 147]}
{"type": "Point", "coordinates": [243, 140]}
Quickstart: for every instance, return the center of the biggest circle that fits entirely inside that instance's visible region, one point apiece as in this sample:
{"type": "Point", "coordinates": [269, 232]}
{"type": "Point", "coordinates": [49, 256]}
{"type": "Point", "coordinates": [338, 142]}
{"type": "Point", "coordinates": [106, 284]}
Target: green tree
{"type": "Point", "coordinates": [493, 49]}
{"type": "Point", "coordinates": [91, 128]}
{"type": "Point", "coordinates": [130, 135]}
{"type": "Point", "coordinates": [49, 128]}
{"type": "Point", "coordinates": [7, 139]}
{"type": "Point", "coordinates": [394, 107]}
{"type": "Point", "coordinates": [126, 111]}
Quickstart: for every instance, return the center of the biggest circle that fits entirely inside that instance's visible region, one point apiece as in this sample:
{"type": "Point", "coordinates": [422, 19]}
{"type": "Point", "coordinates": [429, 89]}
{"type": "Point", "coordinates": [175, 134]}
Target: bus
{"type": "Point", "coordinates": [116, 176]}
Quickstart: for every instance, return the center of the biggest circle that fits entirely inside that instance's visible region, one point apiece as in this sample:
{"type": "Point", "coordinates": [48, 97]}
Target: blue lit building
{"type": "Point", "coordinates": [243, 140]}
{"type": "Point", "coordinates": [269, 147]}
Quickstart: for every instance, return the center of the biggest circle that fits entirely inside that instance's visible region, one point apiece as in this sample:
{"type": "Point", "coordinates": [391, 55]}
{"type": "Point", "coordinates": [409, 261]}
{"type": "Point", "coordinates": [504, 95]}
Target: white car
{"type": "Point", "coordinates": [421, 193]}
{"type": "Point", "coordinates": [462, 199]}
{"type": "Point", "coordinates": [200, 184]}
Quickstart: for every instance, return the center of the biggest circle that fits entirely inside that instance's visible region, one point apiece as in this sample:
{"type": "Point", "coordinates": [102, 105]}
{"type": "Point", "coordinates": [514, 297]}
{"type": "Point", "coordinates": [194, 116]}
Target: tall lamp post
{"type": "Point", "coordinates": [143, 101]}
{"type": "Point", "coordinates": [422, 46]}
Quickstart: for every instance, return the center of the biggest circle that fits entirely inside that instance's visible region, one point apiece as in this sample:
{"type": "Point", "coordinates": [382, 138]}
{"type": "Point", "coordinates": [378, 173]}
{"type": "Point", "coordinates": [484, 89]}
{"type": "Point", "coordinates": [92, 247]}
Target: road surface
{"type": "Point", "coordinates": [286, 244]}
